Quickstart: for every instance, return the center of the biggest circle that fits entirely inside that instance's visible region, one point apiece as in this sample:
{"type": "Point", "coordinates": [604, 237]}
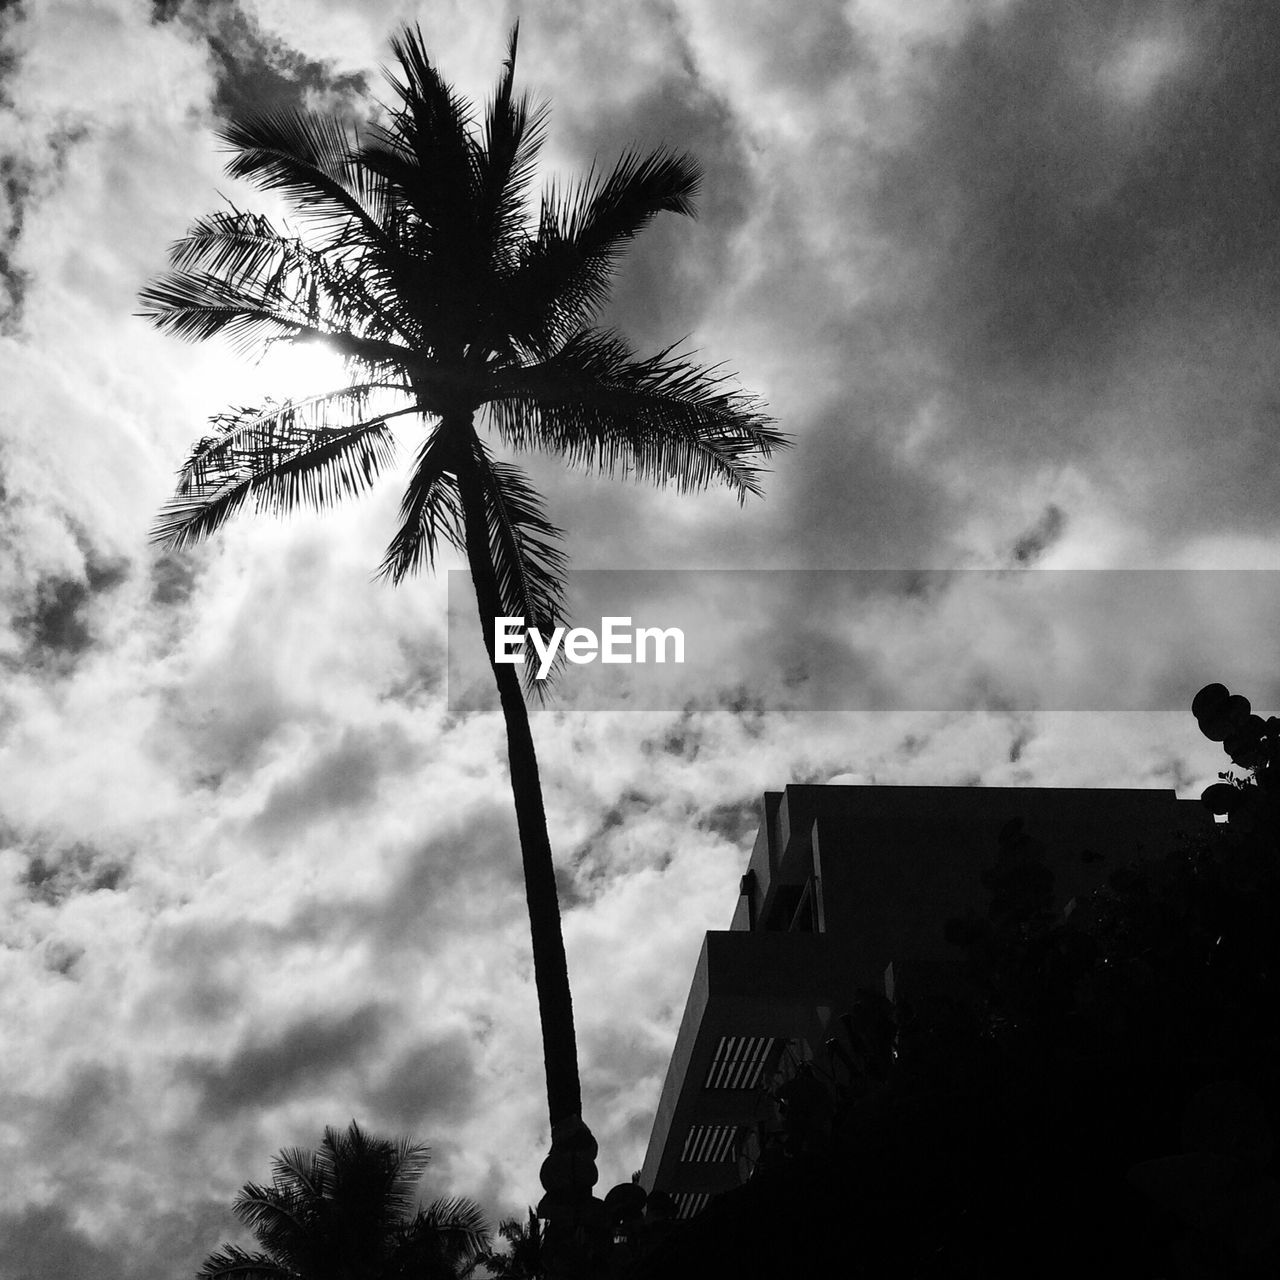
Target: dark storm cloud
{"type": "Point", "coordinates": [256, 71]}
{"type": "Point", "coordinates": [683, 739]}
{"type": "Point", "coordinates": [344, 779]}
{"type": "Point", "coordinates": [1068, 191]}
{"type": "Point", "coordinates": [591, 869]}
{"type": "Point", "coordinates": [86, 1101]}
{"type": "Point", "coordinates": [21, 175]}
{"type": "Point", "coordinates": [455, 881]}
{"type": "Point", "coordinates": [15, 188]}
{"type": "Point", "coordinates": [173, 578]}
{"type": "Point", "coordinates": [268, 1069]}
{"type": "Point", "coordinates": [229, 727]}
{"type": "Point", "coordinates": [53, 615]}
{"type": "Point", "coordinates": [10, 15]}
{"type": "Point", "coordinates": [1090, 200]}
{"type": "Point", "coordinates": [443, 883]}
{"type": "Point", "coordinates": [847, 473]}
{"type": "Point", "coordinates": [620, 1057]}
{"type": "Point", "coordinates": [431, 1084]}
{"type": "Point", "coordinates": [674, 270]}
{"type": "Point", "coordinates": [629, 805]}
{"type": "Point", "coordinates": [686, 737]}
{"type": "Point", "coordinates": [736, 821]}
{"type": "Point", "coordinates": [42, 1243]}
{"type": "Point", "coordinates": [1040, 537]}
{"type": "Point", "coordinates": [16, 178]}
{"type": "Point", "coordinates": [57, 624]}
{"type": "Point", "coordinates": [53, 875]}
{"type": "Point", "coordinates": [807, 46]}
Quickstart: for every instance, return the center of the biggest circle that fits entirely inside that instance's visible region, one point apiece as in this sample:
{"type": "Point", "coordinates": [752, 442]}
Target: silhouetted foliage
{"type": "Point", "coordinates": [346, 1212]}
{"type": "Point", "coordinates": [1104, 1102]}
{"type": "Point", "coordinates": [522, 1259]}
{"type": "Point", "coordinates": [1250, 803]}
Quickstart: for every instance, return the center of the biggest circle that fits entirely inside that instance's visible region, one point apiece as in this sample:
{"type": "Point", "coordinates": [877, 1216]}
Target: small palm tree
{"type": "Point", "coordinates": [523, 1259]}
{"type": "Point", "coordinates": [424, 267]}
{"type": "Point", "coordinates": [345, 1212]}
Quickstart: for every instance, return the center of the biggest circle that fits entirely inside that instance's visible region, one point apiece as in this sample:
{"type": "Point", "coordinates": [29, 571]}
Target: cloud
{"type": "Point", "coordinates": [255, 70]}
{"type": "Point", "coordinates": [52, 875]}
{"type": "Point", "coordinates": [267, 1070]}
{"type": "Point", "coordinates": [344, 780]}
{"type": "Point", "coordinates": [13, 280]}
{"type": "Point", "coordinates": [173, 578]}
{"type": "Point", "coordinates": [1082, 198]}
{"type": "Point", "coordinates": [429, 1087]}
{"type": "Point", "coordinates": [676, 269]}
{"type": "Point", "coordinates": [255, 877]}
{"type": "Point", "coordinates": [58, 624]}
{"type": "Point", "coordinates": [1032, 544]}
{"type": "Point", "coordinates": [15, 180]}
{"type": "Point", "coordinates": [44, 1242]}
{"type": "Point", "coordinates": [1079, 169]}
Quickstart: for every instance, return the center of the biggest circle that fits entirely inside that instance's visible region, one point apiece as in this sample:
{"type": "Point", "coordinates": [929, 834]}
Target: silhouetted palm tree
{"type": "Point", "coordinates": [345, 1212]}
{"type": "Point", "coordinates": [523, 1259]}
{"type": "Point", "coordinates": [422, 266]}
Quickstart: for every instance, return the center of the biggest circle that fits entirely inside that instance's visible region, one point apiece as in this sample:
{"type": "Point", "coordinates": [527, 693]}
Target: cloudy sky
{"type": "Point", "coordinates": [1007, 272]}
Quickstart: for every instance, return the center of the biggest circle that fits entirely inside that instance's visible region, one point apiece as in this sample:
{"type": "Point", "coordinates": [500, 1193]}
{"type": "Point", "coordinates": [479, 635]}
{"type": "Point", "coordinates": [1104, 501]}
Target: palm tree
{"type": "Point", "coordinates": [424, 267]}
{"type": "Point", "coordinates": [523, 1260]}
{"type": "Point", "coordinates": [345, 1212]}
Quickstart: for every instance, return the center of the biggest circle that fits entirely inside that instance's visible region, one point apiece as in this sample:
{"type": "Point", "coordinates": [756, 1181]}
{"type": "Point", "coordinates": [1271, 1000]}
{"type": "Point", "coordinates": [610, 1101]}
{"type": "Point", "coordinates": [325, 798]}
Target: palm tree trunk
{"type": "Point", "coordinates": [550, 968]}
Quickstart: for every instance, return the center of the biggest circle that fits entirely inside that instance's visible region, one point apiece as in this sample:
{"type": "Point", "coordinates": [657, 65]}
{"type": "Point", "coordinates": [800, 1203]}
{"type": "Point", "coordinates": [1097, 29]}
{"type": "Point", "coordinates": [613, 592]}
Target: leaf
{"type": "Point", "coordinates": [663, 419]}
{"type": "Point", "coordinates": [431, 509]}
{"type": "Point", "coordinates": [564, 274]}
{"type": "Point", "coordinates": [313, 160]}
{"type": "Point", "coordinates": [281, 457]}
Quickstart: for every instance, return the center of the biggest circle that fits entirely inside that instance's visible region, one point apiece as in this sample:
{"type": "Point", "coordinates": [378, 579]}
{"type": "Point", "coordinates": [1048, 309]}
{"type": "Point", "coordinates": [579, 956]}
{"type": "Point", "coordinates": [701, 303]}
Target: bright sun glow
{"type": "Point", "coordinates": [295, 371]}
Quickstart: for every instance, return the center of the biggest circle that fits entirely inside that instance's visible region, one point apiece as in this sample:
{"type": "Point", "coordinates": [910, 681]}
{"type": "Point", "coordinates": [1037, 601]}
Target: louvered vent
{"type": "Point", "coordinates": [709, 1143]}
{"type": "Point", "coordinates": [739, 1062]}
{"type": "Point", "coordinates": [689, 1203]}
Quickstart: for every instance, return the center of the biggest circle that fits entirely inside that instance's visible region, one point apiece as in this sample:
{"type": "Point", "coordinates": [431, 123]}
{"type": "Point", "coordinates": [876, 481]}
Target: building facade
{"type": "Point", "coordinates": [850, 888]}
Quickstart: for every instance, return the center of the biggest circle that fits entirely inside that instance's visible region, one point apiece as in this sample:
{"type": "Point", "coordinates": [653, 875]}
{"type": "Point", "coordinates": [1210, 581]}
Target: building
{"type": "Point", "coordinates": [850, 887]}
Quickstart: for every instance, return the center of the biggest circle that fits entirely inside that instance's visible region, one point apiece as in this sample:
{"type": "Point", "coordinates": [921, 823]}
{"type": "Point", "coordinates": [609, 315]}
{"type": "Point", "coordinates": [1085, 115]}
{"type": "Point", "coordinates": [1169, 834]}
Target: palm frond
{"type": "Point", "coordinates": [527, 556]}
{"type": "Point", "coordinates": [312, 159]}
{"type": "Point", "coordinates": [281, 1216]}
{"type": "Point", "coordinates": [282, 457]}
{"type": "Point", "coordinates": [583, 231]}
{"type": "Point", "coordinates": [528, 560]}
{"type": "Point", "coordinates": [405, 1162]}
{"type": "Point", "coordinates": [662, 419]}
{"type": "Point", "coordinates": [197, 305]}
{"type": "Point", "coordinates": [426, 154]}
{"type": "Point", "coordinates": [235, 246]}
{"type": "Point", "coordinates": [347, 1208]}
{"type": "Point", "coordinates": [514, 133]}
{"type": "Point", "coordinates": [234, 1263]}
{"type": "Point", "coordinates": [457, 1223]}
{"type": "Point", "coordinates": [431, 509]}
{"type": "Point", "coordinates": [524, 1257]}
{"type": "Point", "coordinates": [295, 294]}
{"type": "Point", "coordinates": [301, 1169]}
{"type": "Point", "coordinates": [263, 265]}
{"type": "Point", "coordinates": [514, 1231]}
{"type": "Point", "coordinates": [359, 1165]}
